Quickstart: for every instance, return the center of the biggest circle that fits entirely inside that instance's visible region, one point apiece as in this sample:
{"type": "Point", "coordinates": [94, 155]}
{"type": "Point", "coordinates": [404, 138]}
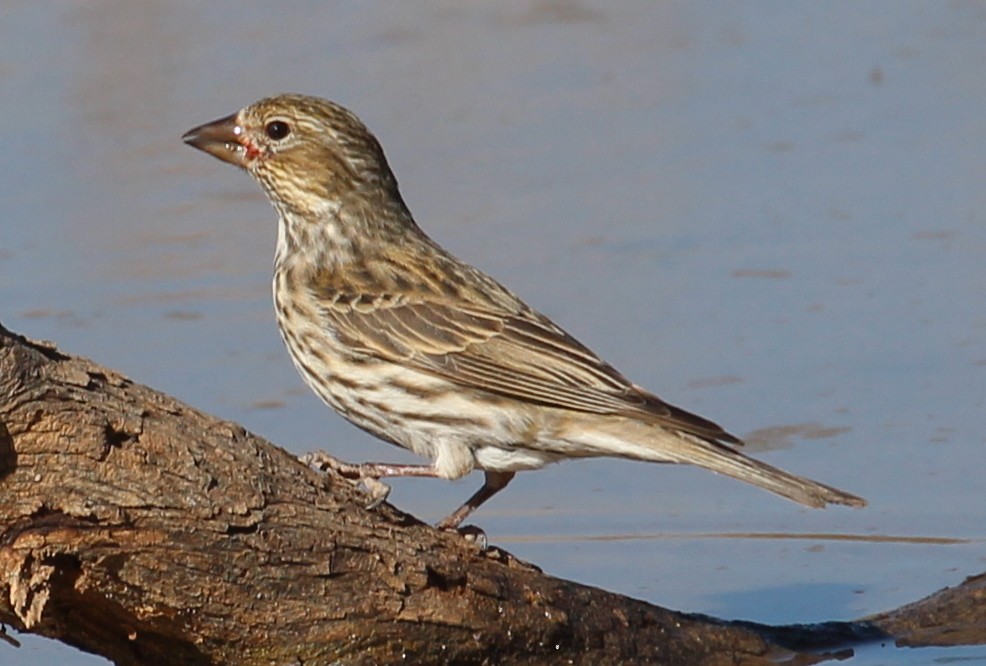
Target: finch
{"type": "Point", "coordinates": [423, 350]}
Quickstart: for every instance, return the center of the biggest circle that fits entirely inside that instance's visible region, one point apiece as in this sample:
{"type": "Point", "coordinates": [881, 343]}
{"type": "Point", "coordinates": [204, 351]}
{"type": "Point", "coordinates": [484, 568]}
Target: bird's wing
{"type": "Point", "coordinates": [523, 356]}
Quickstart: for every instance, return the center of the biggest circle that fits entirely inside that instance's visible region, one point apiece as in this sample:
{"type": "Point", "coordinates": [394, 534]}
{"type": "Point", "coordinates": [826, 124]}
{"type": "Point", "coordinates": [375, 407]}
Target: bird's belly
{"type": "Point", "coordinates": [415, 410]}
{"type": "Point", "coordinates": [512, 459]}
{"type": "Point", "coordinates": [429, 417]}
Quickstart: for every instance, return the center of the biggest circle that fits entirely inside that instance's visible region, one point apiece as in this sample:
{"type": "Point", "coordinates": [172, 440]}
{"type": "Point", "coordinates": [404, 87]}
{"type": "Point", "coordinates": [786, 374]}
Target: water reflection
{"type": "Point", "coordinates": [773, 536]}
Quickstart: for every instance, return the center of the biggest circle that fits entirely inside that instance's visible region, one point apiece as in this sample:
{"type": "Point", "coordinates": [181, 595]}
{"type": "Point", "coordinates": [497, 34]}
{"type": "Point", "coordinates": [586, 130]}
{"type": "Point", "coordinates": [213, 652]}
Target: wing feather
{"type": "Point", "coordinates": [518, 355]}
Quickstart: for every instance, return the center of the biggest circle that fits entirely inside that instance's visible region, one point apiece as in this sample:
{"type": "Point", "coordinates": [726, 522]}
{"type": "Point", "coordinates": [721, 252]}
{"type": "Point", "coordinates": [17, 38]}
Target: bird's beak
{"type": "Point", "coordinates": [221, 138]}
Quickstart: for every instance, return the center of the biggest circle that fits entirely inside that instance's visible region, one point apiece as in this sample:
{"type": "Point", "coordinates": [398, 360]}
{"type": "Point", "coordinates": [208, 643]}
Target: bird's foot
{"type": "Point", "coordinates": [322, 461]}
{"type": "Point", "coordinates": [376, 489]}
{"type": "Point", "coordinates": [365, 479]}
{"type": "Point", "coordinates": [474, 535]}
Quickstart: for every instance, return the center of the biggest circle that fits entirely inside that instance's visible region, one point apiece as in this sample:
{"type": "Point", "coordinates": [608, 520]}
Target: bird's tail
{"type": "Point", "coordinates": [725, 460]}
{"type": "Point", "coordinates": [632, 439]}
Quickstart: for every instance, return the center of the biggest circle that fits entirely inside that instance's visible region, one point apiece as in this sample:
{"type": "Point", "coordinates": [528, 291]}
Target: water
{"type": "Point", "coordinates": [768, 213]}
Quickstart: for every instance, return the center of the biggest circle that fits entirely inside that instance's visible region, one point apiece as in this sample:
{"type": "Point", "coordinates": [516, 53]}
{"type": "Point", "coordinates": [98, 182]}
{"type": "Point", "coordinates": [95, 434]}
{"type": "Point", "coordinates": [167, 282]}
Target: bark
{"type": "Point", "coordinates": [952, 616]}
{"type": "Point", "coordinates": [138, 528]}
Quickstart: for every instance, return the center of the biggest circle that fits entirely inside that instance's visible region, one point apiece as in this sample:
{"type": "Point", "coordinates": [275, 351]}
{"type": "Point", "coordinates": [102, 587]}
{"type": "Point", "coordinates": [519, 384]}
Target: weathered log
{"type": "Point", "coordinates": [952, 616]}
{"type": "Point", "coordinates": [138, 528]}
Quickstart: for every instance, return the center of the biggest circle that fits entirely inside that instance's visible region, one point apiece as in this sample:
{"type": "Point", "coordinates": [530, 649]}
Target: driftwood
{"type": "Point", "coordinates": [138, 528]}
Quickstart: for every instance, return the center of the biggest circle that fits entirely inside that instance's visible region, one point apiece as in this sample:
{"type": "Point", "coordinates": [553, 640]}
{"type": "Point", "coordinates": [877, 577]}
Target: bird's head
{"type": "Point", "coordinates": [310, 155]}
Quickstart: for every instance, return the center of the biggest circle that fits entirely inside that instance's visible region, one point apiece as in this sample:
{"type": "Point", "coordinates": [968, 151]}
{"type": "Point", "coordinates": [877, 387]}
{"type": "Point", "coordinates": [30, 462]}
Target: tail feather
{"type": "Point", "coordinates": [636, 440]}
{"type": "Point", "coordinates": [724, 460]}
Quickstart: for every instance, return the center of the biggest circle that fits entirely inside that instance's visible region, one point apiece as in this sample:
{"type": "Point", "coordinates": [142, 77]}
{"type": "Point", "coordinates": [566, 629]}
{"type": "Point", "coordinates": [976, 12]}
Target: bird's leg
{"type": "Point", "coordinates": [322, 461]}
{"type": "Point", "coordinates": [494, 483]}
{"type": "Point", "coordinates": [370, 473]}
{"type": "Point", "coordinates": [367, 474]}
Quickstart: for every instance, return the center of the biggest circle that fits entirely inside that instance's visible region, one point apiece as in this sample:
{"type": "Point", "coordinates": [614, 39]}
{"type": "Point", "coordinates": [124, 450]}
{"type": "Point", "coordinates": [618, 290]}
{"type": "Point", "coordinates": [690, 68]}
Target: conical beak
{"type": "Point", "coordinates": [221, 138]}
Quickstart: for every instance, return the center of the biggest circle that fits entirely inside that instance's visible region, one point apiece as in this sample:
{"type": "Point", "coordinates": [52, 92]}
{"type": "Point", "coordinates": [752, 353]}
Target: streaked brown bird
{"type": "Point", "coordinates": [427, 352]}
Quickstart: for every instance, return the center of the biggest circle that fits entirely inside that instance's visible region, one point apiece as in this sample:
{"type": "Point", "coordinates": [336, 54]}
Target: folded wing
{"type": "Point", "coordinates": [522, 356]}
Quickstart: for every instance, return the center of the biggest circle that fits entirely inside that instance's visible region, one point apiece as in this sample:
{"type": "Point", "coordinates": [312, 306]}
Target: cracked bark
{"type": "Point", "coordinates": [136, 527]}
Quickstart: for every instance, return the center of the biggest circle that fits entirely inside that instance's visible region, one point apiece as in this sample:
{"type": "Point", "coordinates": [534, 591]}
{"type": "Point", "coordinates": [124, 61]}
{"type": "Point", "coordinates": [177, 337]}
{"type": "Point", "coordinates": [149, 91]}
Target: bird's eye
{"type": "Point", "coordinates": [277, 129]}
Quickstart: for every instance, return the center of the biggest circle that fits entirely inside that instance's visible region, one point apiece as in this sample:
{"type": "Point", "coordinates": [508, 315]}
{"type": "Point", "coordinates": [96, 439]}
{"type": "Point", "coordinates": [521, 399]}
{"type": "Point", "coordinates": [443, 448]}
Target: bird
{"type": "Point", "coordinates": [427, 352]}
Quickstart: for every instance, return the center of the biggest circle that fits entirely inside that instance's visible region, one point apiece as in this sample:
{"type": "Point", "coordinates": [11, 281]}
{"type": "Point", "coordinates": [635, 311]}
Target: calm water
{"type": "Point", "coordinates": [769, 213]}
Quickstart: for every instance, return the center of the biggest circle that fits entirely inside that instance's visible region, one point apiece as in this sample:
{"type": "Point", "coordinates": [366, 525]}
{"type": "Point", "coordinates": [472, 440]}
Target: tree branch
{"type": "Point", "coordinates": [136, 527]}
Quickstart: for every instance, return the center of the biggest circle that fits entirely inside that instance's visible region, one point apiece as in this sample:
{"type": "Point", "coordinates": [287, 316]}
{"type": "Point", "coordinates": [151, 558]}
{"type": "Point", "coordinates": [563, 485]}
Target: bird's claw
{"type": "Point", "coordinates": [321, 461]}
{"type": "Point", "coordinates": [376, 489]}
{"type": "Point", "coordinates": [474, 535]}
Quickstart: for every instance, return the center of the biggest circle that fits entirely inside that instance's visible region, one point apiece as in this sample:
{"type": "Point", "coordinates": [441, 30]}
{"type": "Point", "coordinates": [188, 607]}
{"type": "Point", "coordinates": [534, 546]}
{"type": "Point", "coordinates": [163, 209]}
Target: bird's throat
{"type": "Point", "coordinates": [320, 242]}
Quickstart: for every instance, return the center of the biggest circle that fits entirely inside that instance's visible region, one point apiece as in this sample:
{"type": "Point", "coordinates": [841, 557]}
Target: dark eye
{"type": "Point", "coordinates": [277, 129]}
